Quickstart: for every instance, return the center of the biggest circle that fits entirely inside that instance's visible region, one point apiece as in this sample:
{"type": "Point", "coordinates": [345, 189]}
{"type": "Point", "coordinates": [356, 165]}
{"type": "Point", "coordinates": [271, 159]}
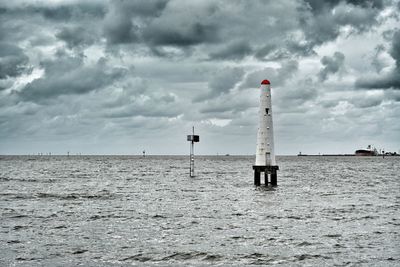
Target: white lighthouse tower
{"type": "Point", "coordinates": [265, 155]}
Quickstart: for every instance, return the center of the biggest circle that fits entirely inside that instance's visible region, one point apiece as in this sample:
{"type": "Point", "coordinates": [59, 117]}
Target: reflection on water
{"type": "Point", "coordinates": [120, 210]}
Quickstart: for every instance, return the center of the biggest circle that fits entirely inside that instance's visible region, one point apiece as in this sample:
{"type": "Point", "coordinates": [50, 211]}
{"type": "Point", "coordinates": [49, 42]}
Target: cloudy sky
{"type": "Point", "coordinates": [118, 77]}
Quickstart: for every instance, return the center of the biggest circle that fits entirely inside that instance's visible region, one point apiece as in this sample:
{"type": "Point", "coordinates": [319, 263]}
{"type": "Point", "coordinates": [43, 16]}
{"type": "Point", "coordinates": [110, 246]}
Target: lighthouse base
{"type": "Point", "coordinates": [268, 171]}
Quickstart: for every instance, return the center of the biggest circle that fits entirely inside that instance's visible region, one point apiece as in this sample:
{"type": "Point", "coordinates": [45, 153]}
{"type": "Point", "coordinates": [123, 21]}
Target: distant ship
{"type": "Point", "coordinates": [367, 152]}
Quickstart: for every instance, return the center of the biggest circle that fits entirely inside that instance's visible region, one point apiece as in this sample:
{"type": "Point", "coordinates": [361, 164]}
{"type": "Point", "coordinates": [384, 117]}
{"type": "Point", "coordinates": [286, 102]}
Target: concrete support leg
{"type": "Point", "coordinates": [257, 177]}
{"type": "Point", "coordinates": [266, 178]}
{"type": "Point", "coordinates": [274, 178]}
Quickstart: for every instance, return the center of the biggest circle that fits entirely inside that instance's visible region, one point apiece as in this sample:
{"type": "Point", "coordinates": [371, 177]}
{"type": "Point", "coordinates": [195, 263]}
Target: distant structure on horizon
{"type": "Point", "coordinates": [265, 154]}
{"type": "Point", "coordinates": [370, 151]}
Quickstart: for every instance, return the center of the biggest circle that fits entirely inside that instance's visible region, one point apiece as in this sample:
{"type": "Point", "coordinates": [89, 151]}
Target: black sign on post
{"type": "Point", "coordinates": [193, 138]}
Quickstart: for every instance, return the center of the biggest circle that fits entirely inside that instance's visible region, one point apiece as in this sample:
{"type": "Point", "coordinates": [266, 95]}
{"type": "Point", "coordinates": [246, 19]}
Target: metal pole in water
{"type": "Point", "coordinates": [192, 157]}
{"type": "Point", "coordinates": [192, 138]}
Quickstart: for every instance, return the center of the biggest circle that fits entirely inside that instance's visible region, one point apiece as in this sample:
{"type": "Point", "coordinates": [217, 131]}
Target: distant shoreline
{"type": "Point", "coordinates": [326, 155]}
{"type": "Point", "coordinates": [345, 155]}
{"type": "Point", "coordinates": [183, 155]}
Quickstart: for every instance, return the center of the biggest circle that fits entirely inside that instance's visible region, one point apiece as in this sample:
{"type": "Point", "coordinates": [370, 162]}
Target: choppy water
{"type": "Point", "coordinates": [121, 211]}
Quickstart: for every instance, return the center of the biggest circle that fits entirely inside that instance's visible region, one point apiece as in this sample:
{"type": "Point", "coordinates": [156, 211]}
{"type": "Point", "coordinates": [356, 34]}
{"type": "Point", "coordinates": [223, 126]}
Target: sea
{"type": "Point", "coordinates": [148, 211]}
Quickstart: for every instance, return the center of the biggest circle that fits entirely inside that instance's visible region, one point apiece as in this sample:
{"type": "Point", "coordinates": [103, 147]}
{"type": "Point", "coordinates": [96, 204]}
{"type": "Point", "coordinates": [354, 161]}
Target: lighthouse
{"type": "Point", "coordinates": [265, 154]}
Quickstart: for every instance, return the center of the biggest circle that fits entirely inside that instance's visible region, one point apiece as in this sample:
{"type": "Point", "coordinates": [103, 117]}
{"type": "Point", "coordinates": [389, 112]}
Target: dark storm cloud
{"type": "Point", "coordinates": [367, 102]}
{"type": "Point", "coordinates": [265, 51]}
{"type": "Point", "coordinates": [254, 78]}
{"type": "Point", "coordinates": [233, 51]}
{"type": "Point", "coordinates": [359, 18]}
{"type": "Point", "coordinates": [226, 109]}
{"type": "Point", "coordinates": [160, 24]}
{"type": "Point", "coordinates": [301, 49]}
{"type": "Point", "coordinates": [35, 21]}
{"type": "Point", "coordinates": [325, 24]}
{"type": "Point", "coordinates": [292, 98]}
{"type": "Point", "coordinates": [183, 25]}
{"type": "Point", "coordinates": [288, 69]}
{"type": "Point", "coordinates": [230, 106]}
{"type": "Point", "coordinates": [395, 51]}
{"type": "Point", "coordinates": [378, 65]}
{"type": "Point", "coordinates": [56, 12]}
{"type": "Point", "coordinates": [392, 95]}
{"type": "Point", "coordinates": [331, 65]}
{"type": "Point", "coordinates": [120, 23]}
{"type": "Point", "coordinates": [318, 5]}
{"type": "Point", "coordinates": [221, 82]}
{"type": "Point", "coordinates": [148, 8]}
{"type": "Point", "coordinates": [129, 65]}
{"type": "Point", "coordinates": [68, 12]}
{"type": "Point", "coordinates": [277, 77]}
{"type": "Point", "coordinates": [119, 28]}
{"type": "Point", "coordinates": [287, 50]}
{"type": "Point", "coordinates": [389, 80]}
{"type": "Point", "coordinates": [68, 75]}
{"type": "Point", "coordinates": [188, 34]}
{"type": "Point", "coordinates": [13, 61]}
{"type": "Point", "coordinates": [367, 3]}
{"type": "Point", "coordinates": [76, 36]}
{"type": "Point", "coordinates": [137, 98]}
{"type": "Point", "coordinates": [226, 79]}
{"type": "Point", "coordinates": [166, 52]}
{"type": "Point", "coordinates": [151, 106]}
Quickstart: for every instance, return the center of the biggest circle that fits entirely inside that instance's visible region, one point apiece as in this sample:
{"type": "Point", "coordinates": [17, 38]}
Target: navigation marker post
{"type": "Point", "coordinates": [193, 139]}
{"type": "Point", "coordinates": [265, 154]}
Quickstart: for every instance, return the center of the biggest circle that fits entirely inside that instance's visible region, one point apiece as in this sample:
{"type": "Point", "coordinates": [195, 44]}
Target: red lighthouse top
{"type": "Point", "coordinates": [265, 82]}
